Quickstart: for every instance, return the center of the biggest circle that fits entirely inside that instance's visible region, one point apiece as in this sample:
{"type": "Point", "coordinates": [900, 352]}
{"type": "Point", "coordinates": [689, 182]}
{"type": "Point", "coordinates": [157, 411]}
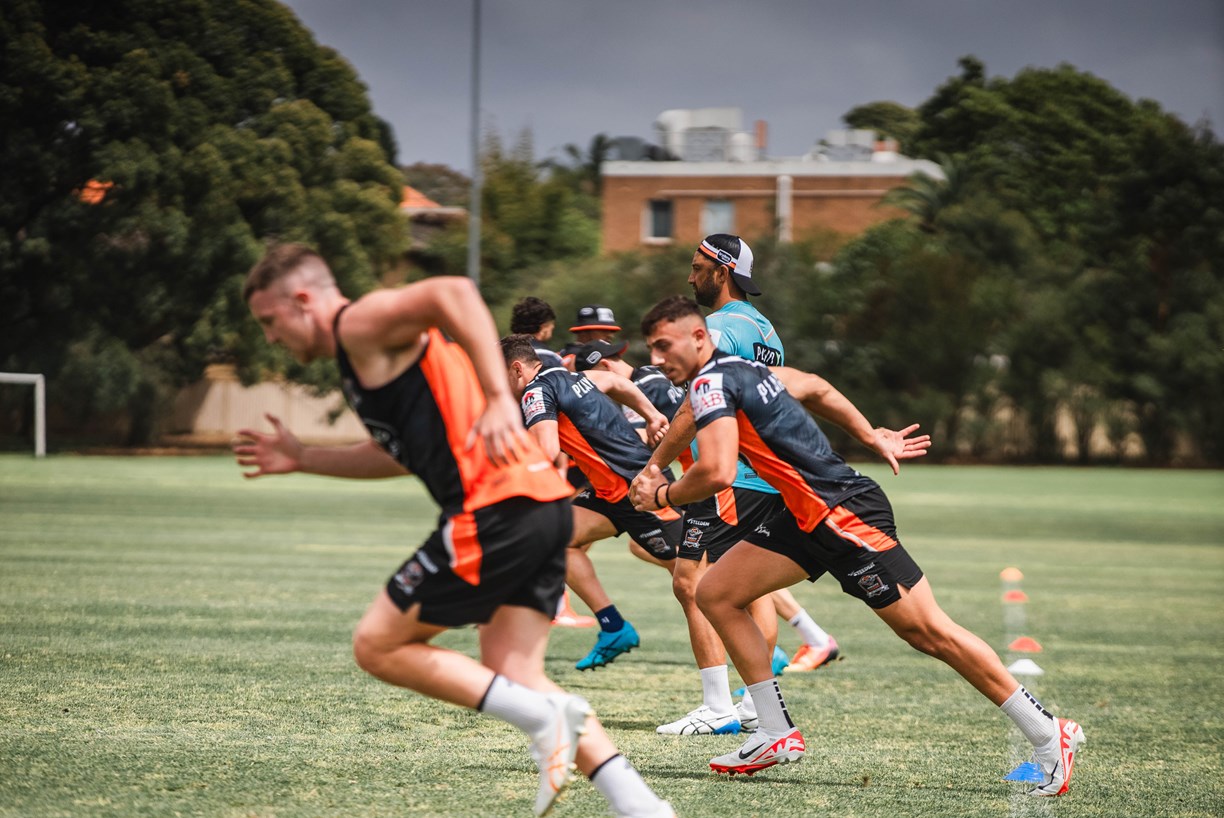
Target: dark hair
{"type": "Point", "coordinates": [672, 308]}
{"type": "Point", "coordinates": [278, 262]}
{"type": "Point", "coordinates": [529, 314]}
{"type": "Point", "coordinates": [518, 348]}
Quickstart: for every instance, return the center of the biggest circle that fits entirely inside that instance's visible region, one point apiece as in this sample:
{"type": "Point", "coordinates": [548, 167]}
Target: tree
{"type": "Point", "coordinates": [888, 120]}
{"type": "Point", "coordinates": [1128, 205]}
{"type": "Point", "coordinates": [148, 151]}
{"type": "Point", "coordinates": [530, 218]}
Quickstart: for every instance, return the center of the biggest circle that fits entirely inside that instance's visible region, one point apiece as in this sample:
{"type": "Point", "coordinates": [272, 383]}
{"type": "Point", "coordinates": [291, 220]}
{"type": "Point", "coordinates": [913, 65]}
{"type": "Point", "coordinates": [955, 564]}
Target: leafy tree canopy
{"type": "Point", "coordinates": [149, 150]}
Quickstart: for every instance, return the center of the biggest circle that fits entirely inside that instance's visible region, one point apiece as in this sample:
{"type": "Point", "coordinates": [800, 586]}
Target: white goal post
{"type": "Point", "coordinates": [40, 406]}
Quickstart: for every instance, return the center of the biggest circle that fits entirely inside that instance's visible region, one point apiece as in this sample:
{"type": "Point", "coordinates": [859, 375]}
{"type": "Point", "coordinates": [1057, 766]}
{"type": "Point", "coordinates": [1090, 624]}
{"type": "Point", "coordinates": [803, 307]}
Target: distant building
{"type": "Point", "coordinates": [723, 182]}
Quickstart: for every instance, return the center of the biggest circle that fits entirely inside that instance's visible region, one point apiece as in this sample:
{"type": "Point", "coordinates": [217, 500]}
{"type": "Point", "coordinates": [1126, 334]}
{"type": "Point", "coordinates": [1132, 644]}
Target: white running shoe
{"type": "Point", "coordinates": [1057, 770]}
{"type": "Point", "coordinates": [555, 746]}
{"type": "Point", "coordinates": [761, 750]}
{"type": "Point", "coordinates": [748, 718]}
{"type": "Point", "coordinates": [702, 722]}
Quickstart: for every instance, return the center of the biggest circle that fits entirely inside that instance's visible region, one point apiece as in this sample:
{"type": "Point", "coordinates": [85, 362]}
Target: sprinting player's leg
{"type": "Point", "coordinates": [918, 619]}
{"type": "Point", "coordinates": [858, 544]}
{"type": "Point", "coordinates": [596, 519]}
{"type": "Point", "coordinates": [616, 635]}
{"type": "Point", "coordinates": [717, 713]}
{"type": "Point", "coordinates": [711, 528]}
{"type": "Point", "coordinates": [391, 642]}
{"type": "Point", "coordinates": [818, 648]}
{"type": "Point", "coordinates": [745, 574]}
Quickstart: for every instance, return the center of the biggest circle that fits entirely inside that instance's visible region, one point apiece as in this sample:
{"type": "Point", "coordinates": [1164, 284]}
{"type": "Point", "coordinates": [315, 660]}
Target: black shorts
{"type": "Point", "coordinates": [713, 525]}
{"type": "Point", "coordinates": [657, 532]}
{"type": "Point", "coordinates": [857, 543]}
{"type": "Point", "coordinates": [509, 553]}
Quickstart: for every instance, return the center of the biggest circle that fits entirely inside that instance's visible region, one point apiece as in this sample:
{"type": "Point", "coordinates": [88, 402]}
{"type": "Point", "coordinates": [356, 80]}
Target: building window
{"type": "Point", "coordinates": [718, 216]}
{"type": "Point", "coordinates": [659, 219]}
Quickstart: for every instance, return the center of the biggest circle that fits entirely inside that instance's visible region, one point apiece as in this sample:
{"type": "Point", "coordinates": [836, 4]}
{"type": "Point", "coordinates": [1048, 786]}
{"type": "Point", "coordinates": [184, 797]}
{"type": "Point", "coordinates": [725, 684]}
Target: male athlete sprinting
{"type": "Point", "coordinates": [442, 409]}
{"type": "Point", "coordinates": [568, 412]}
{"type": "Point", "coordinates": [836, 521]}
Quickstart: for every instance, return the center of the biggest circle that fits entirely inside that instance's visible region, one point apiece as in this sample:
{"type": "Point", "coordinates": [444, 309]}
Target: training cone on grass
{"type": "Point", "coordinates": [567, 617]}
{"type": "Point", "coordinates": [1025, 644]}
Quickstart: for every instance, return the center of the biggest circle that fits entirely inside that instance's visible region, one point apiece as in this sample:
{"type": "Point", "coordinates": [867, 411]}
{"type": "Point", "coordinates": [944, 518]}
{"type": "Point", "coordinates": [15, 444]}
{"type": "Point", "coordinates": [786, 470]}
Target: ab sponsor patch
{"type": "Point", "coordinates": [533, 404]}
{"type": "Point", "coordinates": [706, 395]}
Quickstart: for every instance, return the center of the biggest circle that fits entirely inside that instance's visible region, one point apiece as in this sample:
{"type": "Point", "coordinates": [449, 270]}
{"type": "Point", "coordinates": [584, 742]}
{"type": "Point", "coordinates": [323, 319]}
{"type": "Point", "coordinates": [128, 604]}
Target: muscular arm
{"type": "Point", "coordinates": [545, 433]}
{"type": "Point", "coordinates": [625, 392]}
{"type": "Point", "coordinates": [714, 471]}
{"type": "Point", "coordinates": [379, 326]}
{"type": "Point", "coordinates": [282, 453]}
{"type": "Point", "coordinates": [820, 398]}
{"type": "Point", "coordinates": [679, 435]}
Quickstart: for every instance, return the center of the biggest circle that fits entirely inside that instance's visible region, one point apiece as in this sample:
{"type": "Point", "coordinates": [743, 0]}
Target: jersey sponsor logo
{"type": "Point", "coordinates": [533, 404]}
{"type": "Point", "coordinates": [763, 530]}
{"type": "Point", "coordinates": [706, 395]}
{"type": "Point", "coordinates": [766, 354]}
{"type": "Point", "coordinates": [872, 585]}
{"type": "Point", "coordinates": [410, 576]}
{"type": "Point", "coordinates": [692, 537]}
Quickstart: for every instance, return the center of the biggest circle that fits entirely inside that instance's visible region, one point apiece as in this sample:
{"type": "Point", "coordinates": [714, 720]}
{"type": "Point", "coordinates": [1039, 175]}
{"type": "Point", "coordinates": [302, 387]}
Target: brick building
{"type": "Point", "coordinates": [731, 189]}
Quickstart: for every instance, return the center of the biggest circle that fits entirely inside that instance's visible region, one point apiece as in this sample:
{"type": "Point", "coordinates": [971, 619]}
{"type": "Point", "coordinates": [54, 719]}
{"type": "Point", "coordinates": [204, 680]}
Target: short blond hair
{"type": "Point", "coordinates": [282, 261]}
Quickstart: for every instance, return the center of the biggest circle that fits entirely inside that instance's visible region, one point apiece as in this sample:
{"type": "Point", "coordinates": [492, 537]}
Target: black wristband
{"type": "Point", "coordinates": [667, 494]}
{"type": "Point", "coordinates": [656, 496]}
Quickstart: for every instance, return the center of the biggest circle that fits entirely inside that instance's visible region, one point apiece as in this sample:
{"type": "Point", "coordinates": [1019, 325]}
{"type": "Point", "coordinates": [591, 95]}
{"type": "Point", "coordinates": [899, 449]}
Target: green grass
{"type": "Point", "coordinates": [175, 641]}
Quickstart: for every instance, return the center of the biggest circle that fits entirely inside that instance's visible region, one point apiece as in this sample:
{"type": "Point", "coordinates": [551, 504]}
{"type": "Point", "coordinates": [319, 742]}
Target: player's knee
{"type": "Point", "coordinates": [711, 601]}
{"type": "Point", "coordinates": [366, 652]}
{"type": "Point", "coordinates": [684, 588]}
{"type": "Point", "coordinates": [925, 638]}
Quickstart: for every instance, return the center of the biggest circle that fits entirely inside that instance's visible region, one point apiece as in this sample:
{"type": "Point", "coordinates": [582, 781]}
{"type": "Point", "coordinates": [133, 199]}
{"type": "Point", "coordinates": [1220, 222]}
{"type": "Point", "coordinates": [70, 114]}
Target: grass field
{"type": "Point", "coordinates": [175, 641]}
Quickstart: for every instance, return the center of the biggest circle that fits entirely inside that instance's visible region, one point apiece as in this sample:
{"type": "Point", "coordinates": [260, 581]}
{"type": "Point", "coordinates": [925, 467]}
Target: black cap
{"type": "Point", "coordinates": [589, 355]}
{"type": "Point", "coordinates": [595, 316]}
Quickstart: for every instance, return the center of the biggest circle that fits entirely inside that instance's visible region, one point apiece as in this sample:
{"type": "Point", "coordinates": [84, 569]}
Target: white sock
{"type": "Point", "coordinates": [527, 709]}
{"type": "Point", "coordinates": [716, 689]}
{"type": "Point", "coordinates": [624, 788]}
{"type": "Point", "coordinates": [747, 705]}
{"type": "Point", "coordinates": [770, 707]}
{"type": "Point", "coordinates": [811, 633]}
{"type": "Point", "coordinates": [1036, 723]}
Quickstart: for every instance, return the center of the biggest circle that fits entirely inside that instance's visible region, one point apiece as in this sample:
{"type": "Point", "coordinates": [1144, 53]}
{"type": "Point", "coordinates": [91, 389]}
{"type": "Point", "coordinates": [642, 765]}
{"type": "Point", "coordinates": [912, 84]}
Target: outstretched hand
{"type": "Point", "coordinates": [500, 426]}
{"type": "Point", "coordinates": [895, 445]}
{"type": "Point", "coordinates": [277, 453]}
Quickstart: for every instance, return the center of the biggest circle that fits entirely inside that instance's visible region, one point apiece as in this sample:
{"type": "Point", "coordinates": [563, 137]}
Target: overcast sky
{"type": "Point", "coordinates": [569, 69]}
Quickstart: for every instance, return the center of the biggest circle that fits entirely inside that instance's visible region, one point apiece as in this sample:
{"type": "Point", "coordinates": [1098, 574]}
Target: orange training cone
{"type": "Point", "coordinates": [567, 617]}
{"type": "Point", "coordinates": [1025, 645]}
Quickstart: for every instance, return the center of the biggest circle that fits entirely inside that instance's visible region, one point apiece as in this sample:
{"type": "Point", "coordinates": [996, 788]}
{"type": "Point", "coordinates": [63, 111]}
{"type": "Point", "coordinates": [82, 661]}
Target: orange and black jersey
{"type": "Point", "coordinates": [780, 439]}
{"type": "Point", "coordinates": [423, 417]}
{"type": "Point", "coordinates": [591, 428]}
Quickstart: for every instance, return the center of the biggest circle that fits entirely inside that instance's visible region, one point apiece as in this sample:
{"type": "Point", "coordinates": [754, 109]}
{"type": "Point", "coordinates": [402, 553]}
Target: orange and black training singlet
{"type": "Point", "coordinates": [591, 428]}
{"type": "Point", "coordinates": [780, 439]}
{"type": "Point", "coordinates": [422, 418]}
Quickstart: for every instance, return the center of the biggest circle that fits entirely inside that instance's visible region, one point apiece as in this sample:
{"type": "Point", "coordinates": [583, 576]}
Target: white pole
{"type": "Point", "coordinates": [40, 416]}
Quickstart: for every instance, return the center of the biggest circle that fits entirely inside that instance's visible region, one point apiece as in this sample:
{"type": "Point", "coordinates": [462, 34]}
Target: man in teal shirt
{"type": "Point", "coordinates": [722, 279]}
